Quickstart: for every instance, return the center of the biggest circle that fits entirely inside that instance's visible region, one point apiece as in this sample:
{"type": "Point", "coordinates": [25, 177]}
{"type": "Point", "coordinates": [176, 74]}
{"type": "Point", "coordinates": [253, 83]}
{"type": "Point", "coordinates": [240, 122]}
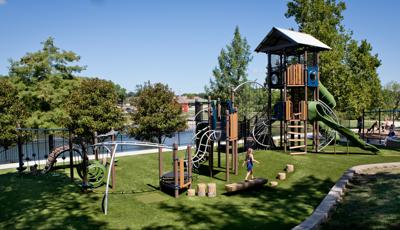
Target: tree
{"type": "Point", "coordinates": [232, 67]}
{"type": "Point", "coordinates": [12, 113]}
{"type": "Point", "coordinates": [349, 69]}
{"type": "Point", "coordinates": [49, 61]}
{"type": "Point", "coordinates": [92, 107]}
{"type": "Point", "coordinates": [45, 79]}
{"type": "Point", "coordinates": [157, 113]}
{"type": "Point", "coordinates": [121, 93]}
{"type": "Point", "coordinates": [391, 94]}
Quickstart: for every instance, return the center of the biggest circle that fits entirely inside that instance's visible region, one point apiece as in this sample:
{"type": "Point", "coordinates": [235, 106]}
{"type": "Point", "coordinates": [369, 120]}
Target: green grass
{"type": "Point", "coordinates": [372, 202]}
{"type": "Point", "coordinates": [53, 202]}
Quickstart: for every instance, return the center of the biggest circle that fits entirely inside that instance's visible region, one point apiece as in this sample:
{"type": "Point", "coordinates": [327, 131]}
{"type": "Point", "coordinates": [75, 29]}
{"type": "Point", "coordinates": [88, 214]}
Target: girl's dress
{"type": "Point", "coordinates": [249, 163]}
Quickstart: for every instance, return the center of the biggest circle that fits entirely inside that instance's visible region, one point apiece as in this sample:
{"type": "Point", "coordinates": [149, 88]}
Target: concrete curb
{"type": "Point", "coordinates": [321, 213]}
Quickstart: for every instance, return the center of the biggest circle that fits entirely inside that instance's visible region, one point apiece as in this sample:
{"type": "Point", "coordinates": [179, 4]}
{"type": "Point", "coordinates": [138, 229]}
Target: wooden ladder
{"type": "Point", "coordinates": [295, 129]}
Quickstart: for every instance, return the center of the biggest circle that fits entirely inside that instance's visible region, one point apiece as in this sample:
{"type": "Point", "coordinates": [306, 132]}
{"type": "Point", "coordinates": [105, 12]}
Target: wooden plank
{"type": "Point", "coordinates": [297, 147]}
{"type": "Point", "coordinates": [295, 126]}
{"type": "Point", "coordinates": [298, 153]}
{"type": "Point", "coordinates": [294, 133]}
{"type": "Point", "coordinates": [296, 140]}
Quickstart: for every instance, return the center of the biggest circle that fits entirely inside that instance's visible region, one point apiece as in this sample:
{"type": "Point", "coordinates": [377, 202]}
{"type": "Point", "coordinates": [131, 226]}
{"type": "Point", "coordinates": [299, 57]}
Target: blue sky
{"type": "Point", "coordinates": [174, 42]}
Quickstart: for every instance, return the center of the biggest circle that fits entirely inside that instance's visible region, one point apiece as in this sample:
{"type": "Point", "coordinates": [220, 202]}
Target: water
{"type": "Point", "coordinates": [40, 149]}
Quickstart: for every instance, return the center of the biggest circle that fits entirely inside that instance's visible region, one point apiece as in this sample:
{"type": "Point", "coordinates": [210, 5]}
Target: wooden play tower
{"type": "Point", "coordinates": [292, 70]}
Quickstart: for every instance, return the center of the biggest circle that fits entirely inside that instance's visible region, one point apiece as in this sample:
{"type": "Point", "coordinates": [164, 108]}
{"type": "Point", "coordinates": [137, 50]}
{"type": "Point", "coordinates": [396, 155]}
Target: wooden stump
{"type": "Point", "coordinates": [289, 168]}
{"type": "Point", "coordinates": [212, 190]}
{"type": "Point", "coordinates": [201, 189]}
{"type": "Point", "coordinates": [191, 192]}
{"type": "Point", "coordinates": [281, 176]}
{"type": "Point", "coordinates": [274, 183]}
{"type": "Point", "coordinates": [245, 184]}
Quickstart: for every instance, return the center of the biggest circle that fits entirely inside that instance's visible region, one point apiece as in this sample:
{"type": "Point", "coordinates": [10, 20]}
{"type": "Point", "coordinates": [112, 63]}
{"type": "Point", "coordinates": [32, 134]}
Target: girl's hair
{"type": "Point", "coordinates": [249, 150]}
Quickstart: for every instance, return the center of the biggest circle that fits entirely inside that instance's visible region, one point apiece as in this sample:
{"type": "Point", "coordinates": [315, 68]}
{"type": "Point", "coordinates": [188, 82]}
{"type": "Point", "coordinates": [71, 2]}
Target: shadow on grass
{"type": "Point", "coordinates": [264, 208]}
{"type": "Point", "coordinates": [372, 202]}
{"type": "Point", "coordinates": [47, 201]}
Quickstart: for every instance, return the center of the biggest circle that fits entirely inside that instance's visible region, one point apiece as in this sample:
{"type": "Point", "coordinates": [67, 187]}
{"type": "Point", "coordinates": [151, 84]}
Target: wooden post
{"type": "Point", "coordinates": [189, 173]}
{"type": "Point", "coordinates": [269, 114]}
{"type": "Point", "coordinates": [236, 157]}
{"type": "Point", "coordinates": [211, 147]}
{"type": "Point", "coordinates": [227, 146]}
{"type": "Point", "coordinates": [281, 99]}
{"type": "Point", "coordinates": [317, 93]}
{"type": "Point", "coordinates": [160, 165]}
{"type": "Point", "coordinates": [219, 140]}
{"type": "Point", "coordinates": [174, 156]}
{"type": "Point", "coordinates": [363, 124]}
{"type": "Point", "coordinates": [285, 99]}
{"type": "Point", "coordinates": [71, 156]}
{"type": "Point", "coordinates": [113, 173]}
{"type": "Point", "coordinates": [305, 77]}
{"type": "Point", "coordinates": [379, 124]}
{"type": "Point", "coordinates": [233, 138]}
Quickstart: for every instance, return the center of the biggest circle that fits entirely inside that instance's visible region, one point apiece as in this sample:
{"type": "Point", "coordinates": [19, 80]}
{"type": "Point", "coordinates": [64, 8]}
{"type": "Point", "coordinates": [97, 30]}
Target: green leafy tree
{"type": "Point", "coordinates": [157, 114]}
{"type": "Point", "coordinates": [391, 94]}
{"type": "Point", "coordinates": [92, 107]}
{"type": "Point", "coordinates": [232, 67]}
{"type": "Point", "coordinates": [45, 79]}
{"type": "Point", "coordinates": [365, 86]}
{"type": "Point", "coordinates": [49, 61]}
{"type": "Point", "coordinates": [12, 113]}
{"type": "Point", "coordinates": [121, 93]}
{"type": "Point", "coordinates": [349, 66]}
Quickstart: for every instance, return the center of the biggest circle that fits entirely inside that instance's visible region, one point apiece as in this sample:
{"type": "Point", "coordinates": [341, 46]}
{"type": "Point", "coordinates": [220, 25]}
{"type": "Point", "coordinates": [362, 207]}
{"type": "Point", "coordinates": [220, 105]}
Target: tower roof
{"type": "Point", "coordinates": [282, 40]}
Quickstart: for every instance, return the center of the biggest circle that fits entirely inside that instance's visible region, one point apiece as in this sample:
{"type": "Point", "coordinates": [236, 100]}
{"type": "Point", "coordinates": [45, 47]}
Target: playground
{"type": "Point", "coordinates": [285, 132]}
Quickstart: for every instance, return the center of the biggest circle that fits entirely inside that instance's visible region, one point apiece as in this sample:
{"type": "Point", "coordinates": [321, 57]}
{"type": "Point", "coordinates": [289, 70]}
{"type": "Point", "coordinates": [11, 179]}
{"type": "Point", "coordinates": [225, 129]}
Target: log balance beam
{"type": "Point", "coordinates": [245, 185]}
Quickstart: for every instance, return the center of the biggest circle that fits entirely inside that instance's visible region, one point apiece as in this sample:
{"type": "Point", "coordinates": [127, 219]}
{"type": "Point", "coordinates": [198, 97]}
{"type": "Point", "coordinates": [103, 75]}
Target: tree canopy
{"type": "Point", "coordinates": [349, 70]}
{"type": "Point", "coordinates": [391, 95]}
{"type": "Point", "coordinates": [232, 67]}
{"type": "Point", "coordinates": [92, 107]}
{"type": "Point", "coordinates": [157, 113]}
{"type": "Point", "coordinates": [12, 113]}
{"type": "Point", "coordinates": [45, 79]}
{"type": "Point", "coordinates": [49, 61]}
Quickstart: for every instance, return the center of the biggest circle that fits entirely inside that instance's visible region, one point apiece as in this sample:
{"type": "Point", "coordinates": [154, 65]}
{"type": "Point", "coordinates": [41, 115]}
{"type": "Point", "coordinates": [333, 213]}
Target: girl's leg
{"type": "Point", "coordinates": [251, 173]}
{"type": "Point", "coordinates": [247, 175]}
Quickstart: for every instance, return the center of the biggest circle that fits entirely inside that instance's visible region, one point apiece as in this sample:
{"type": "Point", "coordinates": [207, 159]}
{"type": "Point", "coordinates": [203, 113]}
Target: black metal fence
{"type": "Point", "coordinates": [37, 144]}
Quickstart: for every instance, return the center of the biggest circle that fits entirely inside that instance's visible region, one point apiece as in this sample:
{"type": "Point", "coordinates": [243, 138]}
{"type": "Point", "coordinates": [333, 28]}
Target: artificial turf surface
{"type": "Point", "coordinates": [53, 202]}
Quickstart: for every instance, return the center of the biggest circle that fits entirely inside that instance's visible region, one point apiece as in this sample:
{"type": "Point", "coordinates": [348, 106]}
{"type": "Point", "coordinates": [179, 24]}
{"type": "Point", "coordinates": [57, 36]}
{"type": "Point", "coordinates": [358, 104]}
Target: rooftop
{"type": "Point", "coordinates": [280, 40]}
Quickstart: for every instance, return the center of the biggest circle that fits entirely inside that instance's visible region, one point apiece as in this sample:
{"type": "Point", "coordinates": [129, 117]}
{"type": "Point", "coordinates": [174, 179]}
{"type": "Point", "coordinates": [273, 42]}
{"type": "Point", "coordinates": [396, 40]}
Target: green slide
{"type": "Point", "coordinates": [316, 113]}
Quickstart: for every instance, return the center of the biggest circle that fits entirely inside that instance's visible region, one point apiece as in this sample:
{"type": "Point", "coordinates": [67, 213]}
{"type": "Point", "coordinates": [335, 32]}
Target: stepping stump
{"type": "Point", "coordinates": [212, 190]}
{"type": "Point", "coordinates": [274, 183]}
{"type": "Point", "coordinates": [191, 192]}
{"type": "Point", "coordinates": [281, 176]}
{"type": "Point", "coordinates": [289, 168]}
{"type": "Point", "coordinates": [201, 189]}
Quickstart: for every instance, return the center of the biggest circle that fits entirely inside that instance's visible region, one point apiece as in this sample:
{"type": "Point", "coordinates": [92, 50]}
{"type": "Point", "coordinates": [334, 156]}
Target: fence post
{"type": "Point", "coordinates": [20, 154]}
{"type": "Point", "coordinates": [71, 155]}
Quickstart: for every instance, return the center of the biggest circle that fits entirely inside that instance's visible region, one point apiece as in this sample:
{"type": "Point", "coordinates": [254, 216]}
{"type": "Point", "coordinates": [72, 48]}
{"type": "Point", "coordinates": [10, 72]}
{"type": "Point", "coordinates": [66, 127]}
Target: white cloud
{"type": "Point", "coordinates": [2, 2]}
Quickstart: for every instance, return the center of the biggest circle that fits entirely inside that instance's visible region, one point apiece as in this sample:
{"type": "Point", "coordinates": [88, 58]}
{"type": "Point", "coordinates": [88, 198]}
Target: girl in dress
{"type": "Point", "coordinates": [249, 161]}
